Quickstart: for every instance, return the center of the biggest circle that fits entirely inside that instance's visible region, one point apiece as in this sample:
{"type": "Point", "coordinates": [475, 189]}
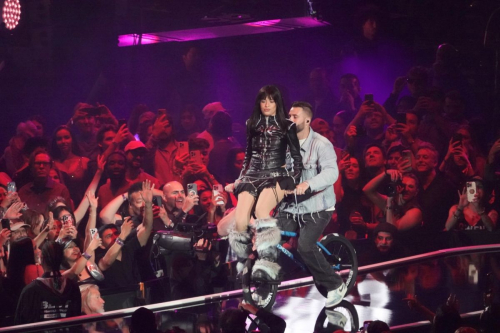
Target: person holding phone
{"type": "Point", "coordinates": [472, 211]}
{"type": "Point", "coordinates": [264, 180]}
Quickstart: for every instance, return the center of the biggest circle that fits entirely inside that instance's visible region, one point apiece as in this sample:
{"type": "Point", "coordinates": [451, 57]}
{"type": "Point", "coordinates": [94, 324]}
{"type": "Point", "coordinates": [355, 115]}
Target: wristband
{"type": "Point", "coordinates": [119, 242]}
{"type": "Point", "coordinates": [86, 255]}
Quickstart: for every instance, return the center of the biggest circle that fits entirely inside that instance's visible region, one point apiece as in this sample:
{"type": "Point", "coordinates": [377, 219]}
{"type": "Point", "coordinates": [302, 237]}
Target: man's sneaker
{"type": "Point", "coordinates": [335, 296]}
{"type": "Point", "coordinates": [336, 318]}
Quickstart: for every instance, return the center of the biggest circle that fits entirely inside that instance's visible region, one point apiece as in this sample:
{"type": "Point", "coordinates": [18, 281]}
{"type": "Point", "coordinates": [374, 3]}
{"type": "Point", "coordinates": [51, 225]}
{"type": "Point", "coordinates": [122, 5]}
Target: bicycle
{"type": "Point", "coordinates": [338, 251]}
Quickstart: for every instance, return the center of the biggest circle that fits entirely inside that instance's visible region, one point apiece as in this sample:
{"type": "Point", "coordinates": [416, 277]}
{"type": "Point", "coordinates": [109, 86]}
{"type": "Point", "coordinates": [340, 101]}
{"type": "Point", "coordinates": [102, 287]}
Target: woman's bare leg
{"type": "Point", "coordinates": [267, 201]}
{"type": "Point", "coordinates": [243, 210]}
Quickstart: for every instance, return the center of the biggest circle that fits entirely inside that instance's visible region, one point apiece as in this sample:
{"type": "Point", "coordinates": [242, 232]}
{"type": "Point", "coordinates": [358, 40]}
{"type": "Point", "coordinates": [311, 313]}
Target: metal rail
{"type": "Point", "coordinates": [207, 299]}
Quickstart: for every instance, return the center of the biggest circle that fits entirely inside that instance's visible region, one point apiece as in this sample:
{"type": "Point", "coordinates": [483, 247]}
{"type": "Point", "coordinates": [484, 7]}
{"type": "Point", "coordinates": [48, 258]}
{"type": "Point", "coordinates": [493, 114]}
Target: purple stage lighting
{"type": "Point", "coordinates": [249, 28]}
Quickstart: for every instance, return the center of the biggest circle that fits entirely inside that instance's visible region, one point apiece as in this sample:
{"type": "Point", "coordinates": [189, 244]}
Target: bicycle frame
{"type": "Point", "coordinates": [291, 256]}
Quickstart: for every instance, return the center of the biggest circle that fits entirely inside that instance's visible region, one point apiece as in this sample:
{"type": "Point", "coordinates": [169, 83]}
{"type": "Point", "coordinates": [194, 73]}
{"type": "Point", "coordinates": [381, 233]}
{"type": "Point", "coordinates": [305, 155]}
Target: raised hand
{"type": "Point", "coordinates": [345, 162]}
{"type": "Point", "coordinates": [93, 201]}
{"type": "Point", "coordinates": [101, 162]}
{"type": "Point", "coordinates": [126, 228]}
{"type": "Point", "coordinates": [13, 212]}
{"type": "Point", "coordinates": [462, 199]}
{"type": "Point", "coordinates": [394, 175]}
{"type": "Point", "coordinates": [95, 243]}
{"type": "Point", "coordinates": [147, 191]}
{"type": "Point", "coordinates": [4, 236]}
{"type": "Point", "coordinates": [399, 84]}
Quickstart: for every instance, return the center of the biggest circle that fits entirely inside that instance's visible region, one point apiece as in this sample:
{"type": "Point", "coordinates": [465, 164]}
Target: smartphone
{"type": "Point", "coordinates": [407, 155]}
{"type": "Point", "coordinates": [122, 122]}
{"type": "Point", "coordinates": [217, 190]}
{"type": "Point", "coordinates": [457, 137]}
{"type": "Point", "coordinates": [93, 231]}
{"type": "Point", "coordinates": [157, 200]}
{"type": "Point", "coordinates": [366, 323]}
{"type": "Point", "coordinates": [5, 224]}
{"type": "Point", "coordinates": [67, 221]}
{"type": "Point", "coordinates": [183, 148]}
{"type": "Point", "coordinates": [369, 97]}
{"type": "Point", "coordinates": [196, 156]}
{"type": "Point", "coordinates": [471, 191]}
{"type": "Point", "coordinates": [192, 189]}
{"type": "Point", "coordinates": [11, 187]}
{"type": "Point", "coordinates": [162, 112]}
{"type": "Point", "coordinates": [401, 118]}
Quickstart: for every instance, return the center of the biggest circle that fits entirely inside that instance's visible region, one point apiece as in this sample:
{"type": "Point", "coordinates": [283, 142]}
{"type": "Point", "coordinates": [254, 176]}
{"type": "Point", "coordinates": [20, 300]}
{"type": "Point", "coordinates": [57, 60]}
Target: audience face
{"type": "Point", "coordinates": [3, 191]}
{"type": "Point", "coordinates": [95, 301]}
{"type": "Point", "coordinates": [206, 200]}
{"type": "Point", "coordinates": [374, 121]}
{"type": "Point", "coordinates": [268, 107]}
{"type": "Point", "coordinates": [352, 172]}
{"type": "Point", "coordinates": [37, 225]}
{"type": "Point", "coordinates": [55, 176]}
{"type": "Point", "coordinates": [453, 108]}
{"type": "Point", "coordinates": [86, 124]}
{"type": "Point", "coordinates": [174, 195]}
{"type": "Point", "coordinates": [238, 161]}
{"type": "Point", "coordinates": [426, 160]}
{"type": "Point", "coordinates": [188, 120]}
{"type": "Point", "coordinates": [39, 128]}
{"type": "Point", "coordinates": [55, 230]}
{"type": "Point", "coordinates": [134, 158]}
{"type": "Point", "coordinates": [466, 138]}
{"type": "Point", "coordinates": [351, 86]}
{"type": "Point", "coordinates": [415, 85]}
{"type": "Point", "coordinates": [325, 131]}
{"type": "Point", "coordinates": [370, 29]}
{"type": "Point", "coordinates": [116, 166]}
{"type": "Point", "coordinates": [374, 158]}
{"type": "Point", "coordinates": [107, 139]}
{"type": "Point", "coordinates": [109, 237]}
{"type": "Point", "coordinates": [384, 241]}
{"type": "Point", "coordinates": [205, 156]}
{"type": "Point", "coordinates": [410, 188]}
{"type": "Point", "coordinates": [72, 252]}
{"type": "Point", "coordinates": [19, 233]}
{"type": "Point", "coordinates": [339, 126]}
{"type": "Point", "coordinates": [393, 160]}
{"type": "Point", "coordinates": [41, 166]}
{"type": "Point", "coordinates": [64, 214]}
{"type": "Point", "coordinates": [64, 141]}
{"type": "Point", "coordinates": [318, 81]}
{"type": "Point", "coordinates": [412, 123]}
{"type": "Point", "coordinates": [136, 203]}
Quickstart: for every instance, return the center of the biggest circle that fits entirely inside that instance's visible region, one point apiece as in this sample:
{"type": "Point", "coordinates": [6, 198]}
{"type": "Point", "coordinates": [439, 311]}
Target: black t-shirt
{"type": "Point", "coordinates": [435, 202]}
{"type": "Point", "coordinates": [123, 272]}
{"type": "Point", "coordinates": [40, 301]}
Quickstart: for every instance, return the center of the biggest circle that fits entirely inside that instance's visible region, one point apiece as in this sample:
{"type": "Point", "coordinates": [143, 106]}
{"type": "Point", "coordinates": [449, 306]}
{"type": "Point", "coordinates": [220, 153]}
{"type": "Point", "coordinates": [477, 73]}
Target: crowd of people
{"type": "Point", "coordinates": [80, 208]}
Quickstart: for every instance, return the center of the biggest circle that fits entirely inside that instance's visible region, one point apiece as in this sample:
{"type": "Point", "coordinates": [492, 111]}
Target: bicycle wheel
{"type": "Point", "coordinates": [341, 256]}
{"type": "Point", "coordinates": [347, 310]}
{"type": "Point", "coordinates": [261, 294]}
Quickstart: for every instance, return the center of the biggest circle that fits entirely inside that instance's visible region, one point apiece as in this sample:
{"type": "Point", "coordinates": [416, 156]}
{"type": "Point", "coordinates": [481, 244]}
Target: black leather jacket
{"type": "Point", "coordinates": [267, 148]}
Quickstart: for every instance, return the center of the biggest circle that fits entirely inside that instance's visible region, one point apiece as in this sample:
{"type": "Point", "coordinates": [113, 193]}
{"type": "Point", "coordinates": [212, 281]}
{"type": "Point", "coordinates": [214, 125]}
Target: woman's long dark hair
{"type": "Point", "coordinates": [55, 152]}
{"type": "Point", "coordinates": [21, 255]}
{"type": "Point", "coordinates": [52, 258]}
{"type": "Point", "coordinates": [274, 94]}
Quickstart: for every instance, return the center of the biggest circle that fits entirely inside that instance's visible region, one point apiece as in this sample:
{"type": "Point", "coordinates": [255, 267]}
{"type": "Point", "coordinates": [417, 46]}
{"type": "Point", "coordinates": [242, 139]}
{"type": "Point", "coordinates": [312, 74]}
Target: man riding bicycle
{"type": "Point", "coordinates": [312, 211]}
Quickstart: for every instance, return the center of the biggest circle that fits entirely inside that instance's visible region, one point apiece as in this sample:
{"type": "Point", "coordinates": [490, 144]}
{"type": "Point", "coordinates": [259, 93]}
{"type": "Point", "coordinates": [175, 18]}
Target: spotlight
{"type": "Point", "coordinates": [11, 13]}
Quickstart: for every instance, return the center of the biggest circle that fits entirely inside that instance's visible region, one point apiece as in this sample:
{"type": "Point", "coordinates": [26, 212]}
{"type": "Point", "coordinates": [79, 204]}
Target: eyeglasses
{"type": "Point", "coordinates": [41, 163]}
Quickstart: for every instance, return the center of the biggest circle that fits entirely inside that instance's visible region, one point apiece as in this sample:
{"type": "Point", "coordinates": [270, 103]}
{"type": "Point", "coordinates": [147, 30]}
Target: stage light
{"type": "Point", "coordinates": [11, 13]}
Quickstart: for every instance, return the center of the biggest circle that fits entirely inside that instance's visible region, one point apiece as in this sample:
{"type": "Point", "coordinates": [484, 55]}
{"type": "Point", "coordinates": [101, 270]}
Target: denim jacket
{"type": "Point", "coordinates": [320, 171]}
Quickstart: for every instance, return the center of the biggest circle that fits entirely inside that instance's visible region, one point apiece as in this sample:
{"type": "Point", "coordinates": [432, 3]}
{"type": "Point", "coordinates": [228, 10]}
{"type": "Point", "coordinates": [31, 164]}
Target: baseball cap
{"type": "Point", "coordinates": [133, 145]}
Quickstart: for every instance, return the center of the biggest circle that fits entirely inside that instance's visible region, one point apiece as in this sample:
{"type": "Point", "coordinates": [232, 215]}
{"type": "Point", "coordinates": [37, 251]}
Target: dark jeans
{"type": "Point", "coordinates": [311, 228]}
